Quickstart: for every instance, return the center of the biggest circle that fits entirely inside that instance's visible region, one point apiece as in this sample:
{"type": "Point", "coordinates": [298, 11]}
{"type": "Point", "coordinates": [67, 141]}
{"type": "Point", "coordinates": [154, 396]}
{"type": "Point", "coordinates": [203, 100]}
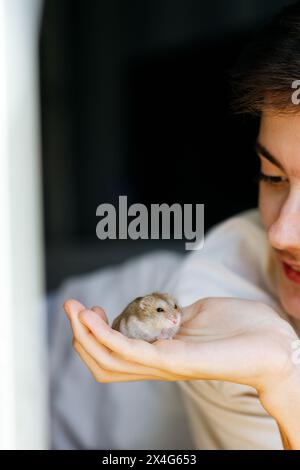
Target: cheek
{"type": "Point", "coordinates": [269, 204]}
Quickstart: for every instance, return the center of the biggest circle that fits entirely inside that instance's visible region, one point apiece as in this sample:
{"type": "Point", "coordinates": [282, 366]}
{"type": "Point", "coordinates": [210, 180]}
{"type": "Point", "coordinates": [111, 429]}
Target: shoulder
{"type": "Point", "coordinates": [240, 243]}
{"type": "Point", "coordinates": [232, 262]}
{"type": "Point", "coordinates": [245, 227]}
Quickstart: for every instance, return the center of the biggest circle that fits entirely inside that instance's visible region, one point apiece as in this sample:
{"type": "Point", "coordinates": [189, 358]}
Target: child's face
{"type": "Point", "coordinates": [279, 201]}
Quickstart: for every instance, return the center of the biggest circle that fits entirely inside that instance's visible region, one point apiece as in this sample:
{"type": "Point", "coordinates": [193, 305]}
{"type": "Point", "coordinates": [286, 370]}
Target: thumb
{"type": "Point", "coordinates": [100, 312]}
{"type": "Point", "coordinates": [190, 311]}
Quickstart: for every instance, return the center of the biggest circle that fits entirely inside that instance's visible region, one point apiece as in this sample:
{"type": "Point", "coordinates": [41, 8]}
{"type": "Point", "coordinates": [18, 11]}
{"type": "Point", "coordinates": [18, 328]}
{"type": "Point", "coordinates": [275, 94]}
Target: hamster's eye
{"type": "Point", "coordinates": [159, 309]}
{"type": "Point", "coordinates": [175, 306]}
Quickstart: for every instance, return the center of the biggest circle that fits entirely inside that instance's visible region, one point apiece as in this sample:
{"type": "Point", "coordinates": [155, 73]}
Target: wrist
{"type": "Point", "coordinates": [282, 379]}
{"type": "Point", "coordinates": [282, 402]}
{"type": "Point", "coordinates": [276, 395]}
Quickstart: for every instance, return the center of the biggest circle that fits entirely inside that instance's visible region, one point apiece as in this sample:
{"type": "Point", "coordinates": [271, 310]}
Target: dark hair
{"type": "Point", "coordinates": [262, 78]}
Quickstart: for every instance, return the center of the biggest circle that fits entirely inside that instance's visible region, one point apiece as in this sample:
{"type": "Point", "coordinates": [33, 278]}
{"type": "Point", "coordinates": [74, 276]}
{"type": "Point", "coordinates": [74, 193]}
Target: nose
{"type": "Point", "coordinates": [172, 317]}
{"type": "Point", "coordinates": [284, 233]}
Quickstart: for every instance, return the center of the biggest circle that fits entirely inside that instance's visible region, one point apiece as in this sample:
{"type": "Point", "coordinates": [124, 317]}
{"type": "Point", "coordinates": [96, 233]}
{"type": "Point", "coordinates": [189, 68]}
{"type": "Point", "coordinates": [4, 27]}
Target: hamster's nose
{"type": "Point", "coordinates": [172, 317]}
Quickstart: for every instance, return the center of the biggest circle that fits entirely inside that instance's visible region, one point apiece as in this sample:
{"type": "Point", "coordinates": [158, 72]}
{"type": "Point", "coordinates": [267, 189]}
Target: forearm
{"type": "Point", "coordinates": [283, 403]}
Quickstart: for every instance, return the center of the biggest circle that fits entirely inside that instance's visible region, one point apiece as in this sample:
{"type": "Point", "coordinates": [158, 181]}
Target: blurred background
{"type": "Point", "coordinates": [135, 101]}
{"type": "Point", "coordinates": [99, 99]}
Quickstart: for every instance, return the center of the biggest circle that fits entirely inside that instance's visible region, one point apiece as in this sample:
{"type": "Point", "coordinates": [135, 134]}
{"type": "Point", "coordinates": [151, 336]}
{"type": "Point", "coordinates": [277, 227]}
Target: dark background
{"type": "Point", "coordinates": [135, 101]}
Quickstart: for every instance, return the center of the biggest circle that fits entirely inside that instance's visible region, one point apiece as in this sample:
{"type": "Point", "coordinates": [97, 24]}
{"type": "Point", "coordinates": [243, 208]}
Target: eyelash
{"type": "Point", "coordinates": [275, 180]}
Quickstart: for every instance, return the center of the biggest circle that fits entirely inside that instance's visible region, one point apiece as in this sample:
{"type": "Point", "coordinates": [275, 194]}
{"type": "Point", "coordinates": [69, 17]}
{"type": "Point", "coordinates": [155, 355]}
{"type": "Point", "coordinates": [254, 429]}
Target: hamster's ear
{"type": "Point", "coordinates": [165, 294]}
{"type": "Point", "coordinates": [142, 304]}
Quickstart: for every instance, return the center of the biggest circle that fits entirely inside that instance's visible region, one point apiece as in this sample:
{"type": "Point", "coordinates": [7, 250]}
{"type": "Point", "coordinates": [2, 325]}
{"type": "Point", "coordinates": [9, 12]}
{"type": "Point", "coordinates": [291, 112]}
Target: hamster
{"type": "Point", "coordinates": [152, 317]}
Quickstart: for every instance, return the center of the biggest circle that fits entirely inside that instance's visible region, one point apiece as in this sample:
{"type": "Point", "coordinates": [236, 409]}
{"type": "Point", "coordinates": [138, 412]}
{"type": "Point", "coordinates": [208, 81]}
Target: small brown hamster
{"type": "Point", "coordinates": [152, 317]}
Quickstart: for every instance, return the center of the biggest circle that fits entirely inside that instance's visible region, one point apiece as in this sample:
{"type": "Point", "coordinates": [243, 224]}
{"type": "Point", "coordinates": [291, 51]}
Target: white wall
{"type": "Point", "coordinates": [23, 397]}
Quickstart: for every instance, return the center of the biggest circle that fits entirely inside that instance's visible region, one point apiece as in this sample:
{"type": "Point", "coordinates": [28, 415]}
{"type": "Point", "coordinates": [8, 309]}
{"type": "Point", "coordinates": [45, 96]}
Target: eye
{"type": "Point", "coordinates": [159, 309]}
{"type": "Point", "coordinates": [274, 180]}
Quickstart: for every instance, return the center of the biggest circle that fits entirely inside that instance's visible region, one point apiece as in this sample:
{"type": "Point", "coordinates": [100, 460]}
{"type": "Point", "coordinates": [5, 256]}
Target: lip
{"type": "Point", "coordinates": [290, 273]}
{"type": "Point", "coordinates": [292, 265]}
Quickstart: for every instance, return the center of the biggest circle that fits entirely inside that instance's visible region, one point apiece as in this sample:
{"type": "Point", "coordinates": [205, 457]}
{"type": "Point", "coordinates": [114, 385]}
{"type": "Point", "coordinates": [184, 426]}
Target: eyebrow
{"type": "Point", "coordinates": [259, 148]}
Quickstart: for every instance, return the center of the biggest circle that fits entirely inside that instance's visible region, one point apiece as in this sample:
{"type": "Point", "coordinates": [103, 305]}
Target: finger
{"type": "Point", "coordinates": [104, 357]}
{"type": "Point", "coordinates": [101, 375]}
{"type": "Point", "coordinates": [135, 364]}
{"type": "Point", "coordinates": [98, 351]}
{"type": "Point", "coordinates": [135, 350]}
{"type": "Point", "coordinates": [101, 312]}
{"type": "Point", "coordinates": [72, 307]}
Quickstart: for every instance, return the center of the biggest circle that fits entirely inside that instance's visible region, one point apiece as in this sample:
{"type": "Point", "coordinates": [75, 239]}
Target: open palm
{"type": "Point", "coordinates": [220, 338]}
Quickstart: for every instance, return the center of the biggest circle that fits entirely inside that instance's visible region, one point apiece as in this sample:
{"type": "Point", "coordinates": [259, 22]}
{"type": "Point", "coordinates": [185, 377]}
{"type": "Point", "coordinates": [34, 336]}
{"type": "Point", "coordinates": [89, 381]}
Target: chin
{"type": "Point", "coordinates": [289, 296]}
